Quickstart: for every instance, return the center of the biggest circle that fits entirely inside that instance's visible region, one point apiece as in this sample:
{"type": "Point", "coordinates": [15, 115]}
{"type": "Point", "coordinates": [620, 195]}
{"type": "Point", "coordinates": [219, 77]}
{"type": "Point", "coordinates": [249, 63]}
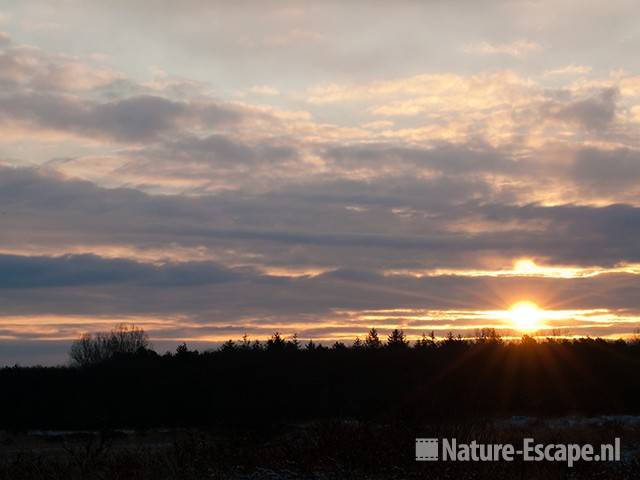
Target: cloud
{"type": "Point", "coordinates": [503, 108]}
{"type": "Point", "coordinates": [594, 113]}
{"type": "Point", "coordinates": [133, 119]}
{"type": "Point", "coordinates": [78, 96]}
{"type": "Point", "coordinates": [89, 270]}
{"type": "Point", "coordinates": [295, 35]}
{"type": "Point", "coordinates": [137, 118]}
{"type": "Point", "coordinates": [340, 303]}
{"type": "Point", "coordinates": [5, 39]}
{"type": "Point", "coordinates": [399, 224]}
{"type": "Point", "coordinates": [264, 90]}
{"type": "Point", "coordinates": [222, 150]}
{"type": "Point", "coordinates": [34, 69]}
{"type": "Point", "coordinates": [449, 159]}
{"type": "Point", "coordinates": [517, 48]}
{"type": "Point", "coordinates": [568, 70]}
{"type": "Point", "coordinates": [608, 171]}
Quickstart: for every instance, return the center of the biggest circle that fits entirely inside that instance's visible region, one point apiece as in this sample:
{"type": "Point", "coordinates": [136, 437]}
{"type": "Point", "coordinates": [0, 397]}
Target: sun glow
{"type": "Point", "coordinates": [526, 316]}
{"type": "Point", "coordinates": [525, 266]}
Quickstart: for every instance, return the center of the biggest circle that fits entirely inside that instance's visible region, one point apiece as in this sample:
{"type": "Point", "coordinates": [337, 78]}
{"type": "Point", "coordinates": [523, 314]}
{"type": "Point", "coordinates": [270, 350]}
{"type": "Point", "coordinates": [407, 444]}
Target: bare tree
{"type": "Point", "coordinates": [124, 339]}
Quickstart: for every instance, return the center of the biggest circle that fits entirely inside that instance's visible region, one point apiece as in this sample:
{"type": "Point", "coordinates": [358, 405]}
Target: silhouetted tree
{"type": "Point", "coordinates": [397, 339]}
{"type": "Point", "coordinates": [372, 340]}
{"type": "Point", "coordinates": [488, 335]}
{"type": "Point", "coordinates": [96, 348]}
{"type": "Point", "coordinates": [452, 340]}
{"type": "Point", "coordinates": [276, 342]}
{"type": "Point", "coordinates": [183, 352]}
{"type": "Point", "coordinates": [426, 341]}
{"type": "Point", "coordinates": [228, 346]}
{"type": "Point", "coordinates": [294, 342]}
{"type": "Point", "coordinates": [182, 349]}
{"type": "Point", "coordinates": [246, 343]}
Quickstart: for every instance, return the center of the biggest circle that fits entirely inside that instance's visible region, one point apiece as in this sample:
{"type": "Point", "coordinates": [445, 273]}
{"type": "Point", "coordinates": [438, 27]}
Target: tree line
{"type": "Point", "coordinates": [118, 380]}
{"type": "Point", "coordinates": [129, 341]}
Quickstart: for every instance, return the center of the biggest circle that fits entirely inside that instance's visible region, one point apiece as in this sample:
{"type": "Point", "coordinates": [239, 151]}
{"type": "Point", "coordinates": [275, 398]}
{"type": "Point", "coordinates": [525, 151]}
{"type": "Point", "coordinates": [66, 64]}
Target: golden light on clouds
{"type": "Point", "coordinates": [524, 316]}
{"type": "Point", "coordinates": [524, 267]}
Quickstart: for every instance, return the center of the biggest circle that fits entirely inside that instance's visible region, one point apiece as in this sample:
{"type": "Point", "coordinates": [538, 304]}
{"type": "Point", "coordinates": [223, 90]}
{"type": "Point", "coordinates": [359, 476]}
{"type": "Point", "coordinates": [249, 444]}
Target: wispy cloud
{"type": "Point", "coordinates": [518, 48]}
{"type": "Point", "coordinates": [568, 70]}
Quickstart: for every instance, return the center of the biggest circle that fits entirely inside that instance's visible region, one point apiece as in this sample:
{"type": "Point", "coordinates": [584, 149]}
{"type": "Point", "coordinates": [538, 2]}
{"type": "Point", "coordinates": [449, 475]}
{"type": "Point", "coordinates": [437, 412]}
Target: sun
{"type": "Point", "coordinates": [526, 316]}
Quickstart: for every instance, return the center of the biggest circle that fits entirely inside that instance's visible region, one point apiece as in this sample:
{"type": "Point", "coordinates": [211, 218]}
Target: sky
{"type": "Point", "coordinates": [207, 170]}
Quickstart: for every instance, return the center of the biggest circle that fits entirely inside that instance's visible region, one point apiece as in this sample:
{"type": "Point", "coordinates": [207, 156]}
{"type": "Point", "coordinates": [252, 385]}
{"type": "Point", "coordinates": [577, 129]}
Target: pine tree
{"type": "Point", "coordinates": [372, 340]}
{"type": "Point", "coordinates": [397, 339]}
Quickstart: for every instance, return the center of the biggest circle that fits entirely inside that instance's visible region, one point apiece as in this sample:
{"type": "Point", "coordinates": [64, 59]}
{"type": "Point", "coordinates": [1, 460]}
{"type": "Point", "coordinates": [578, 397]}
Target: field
{"type": "Point", "coordinates": [316, 450]}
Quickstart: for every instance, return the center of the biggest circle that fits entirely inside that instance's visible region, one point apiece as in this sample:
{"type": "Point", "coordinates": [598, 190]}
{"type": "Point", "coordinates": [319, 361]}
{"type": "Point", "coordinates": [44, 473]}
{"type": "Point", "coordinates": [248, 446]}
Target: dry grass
{"type": "Point", "coordinates": [338, 449]}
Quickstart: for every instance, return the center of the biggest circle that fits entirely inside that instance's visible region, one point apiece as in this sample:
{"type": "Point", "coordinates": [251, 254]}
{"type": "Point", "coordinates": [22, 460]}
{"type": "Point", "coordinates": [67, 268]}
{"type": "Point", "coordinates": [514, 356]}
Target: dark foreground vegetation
{"type": "Point", "coordinates": [320, 450]}
{"type": "Point", "coordinates": [119, 382]}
